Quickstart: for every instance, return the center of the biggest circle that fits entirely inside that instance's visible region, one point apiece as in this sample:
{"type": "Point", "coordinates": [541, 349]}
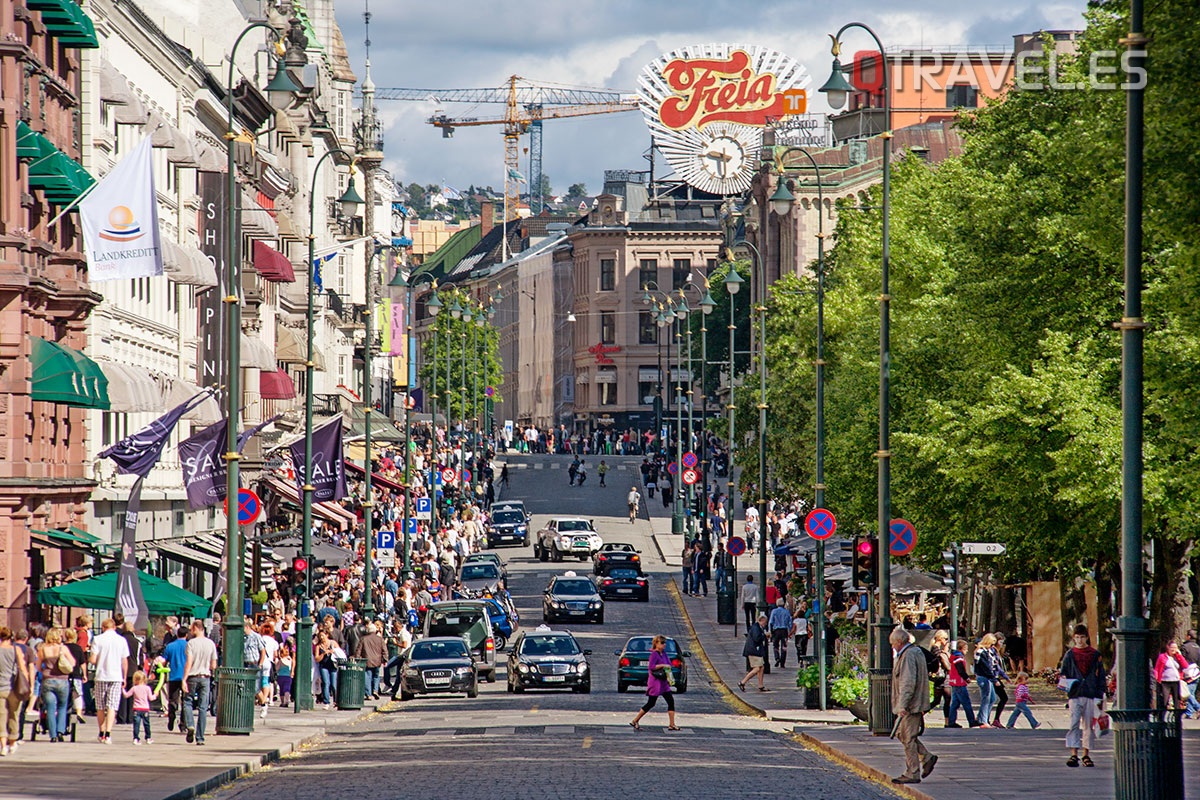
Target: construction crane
{"type": "Point", "coordinates": [526, 105]}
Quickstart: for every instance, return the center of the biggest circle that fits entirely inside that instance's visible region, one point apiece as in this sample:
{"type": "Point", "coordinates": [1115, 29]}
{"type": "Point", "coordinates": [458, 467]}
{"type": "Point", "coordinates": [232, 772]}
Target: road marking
{"type": "Point", "coordinates": [587, 742]}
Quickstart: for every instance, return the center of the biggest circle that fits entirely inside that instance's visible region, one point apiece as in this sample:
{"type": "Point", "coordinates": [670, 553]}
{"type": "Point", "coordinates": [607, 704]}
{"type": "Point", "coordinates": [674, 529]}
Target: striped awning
{"type": "Point", "coordinates": [276, 385]}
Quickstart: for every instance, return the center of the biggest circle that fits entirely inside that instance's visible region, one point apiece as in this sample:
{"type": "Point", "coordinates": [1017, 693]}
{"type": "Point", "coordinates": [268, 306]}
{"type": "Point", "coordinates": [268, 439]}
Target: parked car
{"type": "Point", "coordinates": [505, 619]}
{"type": "Point", "coordinates": [468, 620]}
{"type": "Point", "coordinates": [615, 554]}
{"type": "Point", "coordinates": [507, 525]}
{"type": "Point", "coordinates": [567, 536]}
{"type": "Point", "coordinates": [571, 596]}
{"type": "Point", "coordinates": [488, 558]}
{"type": "Point", "coordinates": [547, 659]}
{"type": "Point", "coordinates": [625, 583]}
{"type": "Point", "coordinates": [439, 664]}
{"type": "Point", "coordinates": [481, 577]}
{"type": "Point", "coordinates": [633, 657]}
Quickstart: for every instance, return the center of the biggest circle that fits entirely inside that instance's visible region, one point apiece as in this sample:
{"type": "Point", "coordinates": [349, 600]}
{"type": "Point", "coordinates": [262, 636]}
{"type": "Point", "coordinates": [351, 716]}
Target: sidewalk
{"type": "Point", "coordinates": [169, 769]}
{"type": "Point", "coordinates": [975, 764]}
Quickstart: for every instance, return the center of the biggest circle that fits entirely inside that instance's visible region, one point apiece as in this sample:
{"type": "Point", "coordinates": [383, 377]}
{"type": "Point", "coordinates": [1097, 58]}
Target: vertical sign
{"type": "Point", "coordinates": [210, 311]}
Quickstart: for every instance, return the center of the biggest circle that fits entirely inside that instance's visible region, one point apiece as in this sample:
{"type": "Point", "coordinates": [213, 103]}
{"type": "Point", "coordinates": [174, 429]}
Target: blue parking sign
{"type": "Point", "coordinates": [385, 540]}
{"type": "Point", "coordinates": [423, 507]}
{"type": "Point", "coordinates": [412, 526]}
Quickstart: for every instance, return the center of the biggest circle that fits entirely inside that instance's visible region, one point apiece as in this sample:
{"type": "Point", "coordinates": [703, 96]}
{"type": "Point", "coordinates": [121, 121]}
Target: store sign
{"type": "Point", "coordinates": [707, 105]}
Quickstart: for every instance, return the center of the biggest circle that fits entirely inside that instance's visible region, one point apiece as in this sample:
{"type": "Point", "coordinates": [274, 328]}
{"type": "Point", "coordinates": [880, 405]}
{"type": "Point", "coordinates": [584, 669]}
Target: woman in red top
{"type": "Point", "coordinates": [1168, 670]}
{"type": "Point", "coordinates": [658, 683]}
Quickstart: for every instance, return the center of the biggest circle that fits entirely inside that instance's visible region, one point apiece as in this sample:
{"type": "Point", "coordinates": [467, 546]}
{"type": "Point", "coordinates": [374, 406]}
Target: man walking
{"type": "Point", "coordinates": [110, 657]}
{"type": "Point", "coordinates": [780, 623]}
{"type": "Point", "coordinates": [910, 701]}
{"type": "Point", "coordinates": [755, 651]}
{"type": "Point", "coordinates": [197, 672]}
{"type": "Point", "coordinates": [749, 598]}
{"type": "Point", "coordinates": [175, 654]}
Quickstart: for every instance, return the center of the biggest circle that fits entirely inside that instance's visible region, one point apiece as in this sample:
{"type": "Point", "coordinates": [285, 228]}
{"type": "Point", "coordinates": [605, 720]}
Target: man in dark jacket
{"type": "Point", "coordinates": [755, 651]}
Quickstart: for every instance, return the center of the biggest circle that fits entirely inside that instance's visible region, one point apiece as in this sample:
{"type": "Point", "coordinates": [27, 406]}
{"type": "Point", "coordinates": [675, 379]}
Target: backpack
{"type": "Point", "coordinates": [933, 662]}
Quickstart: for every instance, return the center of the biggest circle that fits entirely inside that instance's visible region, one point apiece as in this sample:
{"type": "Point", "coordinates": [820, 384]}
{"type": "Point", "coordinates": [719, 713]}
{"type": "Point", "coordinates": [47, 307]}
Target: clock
{"type": "Point", "coordinates": [722, 157]}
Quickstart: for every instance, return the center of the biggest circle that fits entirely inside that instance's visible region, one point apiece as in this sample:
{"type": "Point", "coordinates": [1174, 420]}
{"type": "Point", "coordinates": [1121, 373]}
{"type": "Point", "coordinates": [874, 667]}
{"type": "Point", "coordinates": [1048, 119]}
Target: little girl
{"type": "Point", "coordinates": [283, 673]}
{"type": "Point", "coordinates": [142, 695]}
{"type": "Point", "coordinates": [1022, 704]}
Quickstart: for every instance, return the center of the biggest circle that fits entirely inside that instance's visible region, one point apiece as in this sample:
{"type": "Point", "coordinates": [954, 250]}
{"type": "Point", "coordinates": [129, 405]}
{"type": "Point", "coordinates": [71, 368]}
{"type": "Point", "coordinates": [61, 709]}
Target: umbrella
{"type": "Point", "coordinates": [100, 591]}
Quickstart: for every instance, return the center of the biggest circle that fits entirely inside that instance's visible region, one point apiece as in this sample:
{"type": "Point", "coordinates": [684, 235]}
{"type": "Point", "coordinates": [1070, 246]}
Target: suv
{"type": "Point", "coordinates": [470, 621]}
{"type": "Point", "coordinates": [507, 525]}
{"type": "Point", "coordinates": [567, 536]}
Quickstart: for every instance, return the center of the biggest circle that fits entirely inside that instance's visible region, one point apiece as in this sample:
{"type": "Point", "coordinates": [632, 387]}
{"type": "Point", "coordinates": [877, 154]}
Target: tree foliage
{"type": "Point", "coordinates": [453, 339]}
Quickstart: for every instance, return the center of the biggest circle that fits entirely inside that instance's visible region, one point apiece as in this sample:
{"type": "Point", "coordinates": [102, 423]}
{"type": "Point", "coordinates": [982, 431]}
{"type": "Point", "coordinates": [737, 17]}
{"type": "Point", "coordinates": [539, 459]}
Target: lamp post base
{"type": "Point", "coordinates": [677, 523]}
{"type": "Point", "coordinates": [302, 695]}
{"type": "Point", "coordinates": [880, 708]}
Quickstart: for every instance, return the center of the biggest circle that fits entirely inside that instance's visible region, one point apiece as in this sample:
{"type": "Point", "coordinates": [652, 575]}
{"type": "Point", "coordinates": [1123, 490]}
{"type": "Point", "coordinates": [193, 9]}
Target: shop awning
{"type": "Point", "coordinates": [184, 263]}
{"type": "Point", "coordinates": [272, 265]}
{"type": "Point", "coordinates": [180, 391]}
{"type": "Point", "coordinates": [376, 478]}
{"type": "Point", "coordinates": [67, 539]}
{"type": "Point", "coordinates": [256, 221]}
{"type": "Point", "coordinates": [330, 512]}
{"type": "Point", "coordinates": [212, 159]}
{"type": "Point", "coordinates": [180, 148]}
{"type": "Point", "coordinates": [276, 385]}
{"type": "Point", "coordinates": [100, 591]}
{"type": "Point", "coordinates": [290, 347]}
{"type": "Point", "coordinates": [131, 389]}
{"type": "Point", "coordinates": [255, 354]}
{"type": "Point", "coordinates": [64, 375]}
{"type": "Point", "coordinates": [67, 22]}
{"type": "Point", "coordinates": [51, 170]}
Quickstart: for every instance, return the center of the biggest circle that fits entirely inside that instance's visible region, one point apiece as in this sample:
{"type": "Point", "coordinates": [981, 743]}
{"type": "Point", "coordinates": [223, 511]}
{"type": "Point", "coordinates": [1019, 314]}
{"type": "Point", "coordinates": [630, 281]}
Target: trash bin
{"type": "Point", "coordinates": [726, 607]}
{"type": "Point", "coordinates": [351, 684]}
{"type": "Point", "coordinates": [236, 688]}
{"type": "Point", "coordinates": [1148, 754]}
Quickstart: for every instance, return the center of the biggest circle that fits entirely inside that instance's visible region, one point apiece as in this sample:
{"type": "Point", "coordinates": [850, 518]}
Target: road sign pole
{"type": "Point", "coordinates": [954, 600]}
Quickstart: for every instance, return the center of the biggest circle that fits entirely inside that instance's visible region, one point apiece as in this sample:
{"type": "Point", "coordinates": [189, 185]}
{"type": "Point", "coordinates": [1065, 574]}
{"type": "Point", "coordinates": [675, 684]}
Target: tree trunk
{"type": "Point", "coordinates": [1107, 575]}
{"type": "Point", "coordinates": [1171, 599]}
{"type": "Point", "coordinates": [1074, 605]}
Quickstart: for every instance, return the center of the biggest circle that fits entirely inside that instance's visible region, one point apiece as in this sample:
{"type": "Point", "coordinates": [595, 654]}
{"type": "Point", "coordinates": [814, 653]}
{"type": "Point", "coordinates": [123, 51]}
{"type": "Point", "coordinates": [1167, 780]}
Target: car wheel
{"type": "Point", "coordinates": [556, 554]}
{"type": "Point", "coordinates": [585, 689]}
{"type": "Point", "coordinates": [541, 553]}
{"type": "Point", "coordinates": [473, 692]}
{"type": "Point", "coordinates": [491, 676]}
{"type": "Point", "coordinates": [622, 687]}
{"type": "Point", "coordinates": [406, 696]}
{"type": "Point", "coordinates": [500, 641]}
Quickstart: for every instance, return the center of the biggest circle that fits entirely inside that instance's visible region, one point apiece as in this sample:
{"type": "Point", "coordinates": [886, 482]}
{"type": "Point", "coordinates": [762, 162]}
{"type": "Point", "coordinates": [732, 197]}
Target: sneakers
{"type": "Point", "coordinates": [953, 725]}
{"type": "Point", "coordinates": [136, 742]}
{"type": "Point", "coordinates": [930, 763]}
{"type": "Point", "coordinates": [263, 715]}
{"type": "Point", "coordinates": [191, 735]}
{"type": "Point", "coordinates": [200, 742]}
{"type": "Point", "coordinates": [149, 741]}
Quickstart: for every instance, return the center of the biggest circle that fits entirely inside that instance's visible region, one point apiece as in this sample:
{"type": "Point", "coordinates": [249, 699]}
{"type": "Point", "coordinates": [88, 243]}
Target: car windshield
{"type": "Point", "coordinates": [549, 646]}
{"type": "Point", "coordinates": [578, 586]}
{"type": "Point", "coordinates": [573, 525]}
{"type": "Point", "coordinates": [430, 650]}
{"type": "Point", "coordinates": [475, 572]}
{"type": "Point", "coordinates": [618, 548]}
{"type": "Point", "coordinates": [641, 644]}
{"type": "Point", "coordinates": [508, 518]}
{"type": "Point", "coordinates": [452, 623]}
{"type": "Point", "coordinates": [623, 573]}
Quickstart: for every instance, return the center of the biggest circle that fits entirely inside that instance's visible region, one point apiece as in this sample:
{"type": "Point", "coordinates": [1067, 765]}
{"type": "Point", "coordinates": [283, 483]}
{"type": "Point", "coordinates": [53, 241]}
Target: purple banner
{"type": "Point", "coordinates": [328, 469]}
{"type": "Point", "coordinates": [204, 474]}
{"type": "Point", "coordinates": [129, 600]}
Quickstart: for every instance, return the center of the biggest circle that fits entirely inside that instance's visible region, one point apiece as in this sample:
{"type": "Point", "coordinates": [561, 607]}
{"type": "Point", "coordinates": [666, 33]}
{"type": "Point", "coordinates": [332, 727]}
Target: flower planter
{"type": "Point", "coordinates": [859, 709]}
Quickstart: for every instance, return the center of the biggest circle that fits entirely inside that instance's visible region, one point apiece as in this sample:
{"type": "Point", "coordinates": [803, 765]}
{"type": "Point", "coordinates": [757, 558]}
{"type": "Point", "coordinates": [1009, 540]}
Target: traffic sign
{"type": "Point", "coordinates": [820, 523]}
{"type": "Point", "coordinates": [386, 558]}
{"type": "Point", "coordinates": [903, 537]}
{"type": "Point", "coordinates": [412, 526]}
{"type": "Point", "coordinates": [465, 476]}
{"type": "Point", "coordinates": [672, 468]}
{"type": "Point", "coordinates": [689, 460]}
{"type": "Point", "coordinates": [690, 476]}
{"type": "Point", "coordinates": [735, 546]}
{"type": "Point", "coordinates": [249, 507]}
{"type": "Point", "coordinates": [448, 475]}
{"type": "Point", "coordinates": [983, 549]}
{"type": "Point", "coordinates": [385, 539]}
{"type": "Point", "coordinates": [423, 507]}
{"type": "Point", "coordinates": [489, 391]}
{"type": "Point", "coordinates": [435, 477]}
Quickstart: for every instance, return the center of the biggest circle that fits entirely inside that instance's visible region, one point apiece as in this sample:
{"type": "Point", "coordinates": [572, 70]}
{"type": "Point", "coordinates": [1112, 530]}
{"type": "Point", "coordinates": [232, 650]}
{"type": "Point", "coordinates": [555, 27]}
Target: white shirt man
{"type": "Point", "coordinates": [110, 657]}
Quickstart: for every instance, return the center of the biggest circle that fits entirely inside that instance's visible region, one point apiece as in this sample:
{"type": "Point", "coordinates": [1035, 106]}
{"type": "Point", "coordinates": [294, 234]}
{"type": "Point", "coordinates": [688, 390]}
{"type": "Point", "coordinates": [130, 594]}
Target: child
{"type": "Point", "coordinates": [1022, 706]}
{"type": "Point", "coordinates": [142, 695]}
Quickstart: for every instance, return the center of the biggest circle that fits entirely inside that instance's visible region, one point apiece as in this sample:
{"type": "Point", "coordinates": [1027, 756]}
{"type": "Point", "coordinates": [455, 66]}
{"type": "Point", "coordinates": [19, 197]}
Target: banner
{"type": "Point", "coordinates": [211, 224]}
{"type": "Point", "coordinates": [129, 599]}
{"type": "Point", "coordinates": [248, 434]}
{"type": "Point", "coordinates": [204, 472]}
{"type": "Point", "coordinates": [328, 467]}
{"type": "Point", "coordinates": [119, 219]}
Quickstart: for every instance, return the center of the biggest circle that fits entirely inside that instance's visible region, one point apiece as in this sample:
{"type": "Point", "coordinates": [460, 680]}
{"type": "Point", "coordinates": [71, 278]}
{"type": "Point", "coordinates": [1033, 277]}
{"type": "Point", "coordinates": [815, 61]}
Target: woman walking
{"type": "Point", "coordinates": [659, 683]}
{"type": "Point", "coordinates": [985, 677]}
{"type": "Point", "coordinates": [1167, 671]}
{"type": "Point", "coordinates": [55, 664]}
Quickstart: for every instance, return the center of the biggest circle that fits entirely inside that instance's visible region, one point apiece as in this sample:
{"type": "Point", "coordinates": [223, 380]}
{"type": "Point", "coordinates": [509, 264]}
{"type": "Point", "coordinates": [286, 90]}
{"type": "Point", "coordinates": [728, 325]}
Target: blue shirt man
{"type": "Point", "coordinates": [176, 655]}
{"type": "Point", "coordinates": [780, 623]}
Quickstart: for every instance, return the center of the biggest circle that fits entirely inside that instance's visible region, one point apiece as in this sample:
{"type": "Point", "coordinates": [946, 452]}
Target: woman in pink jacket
{"type": "Point", "coordinates": [1168, 671]}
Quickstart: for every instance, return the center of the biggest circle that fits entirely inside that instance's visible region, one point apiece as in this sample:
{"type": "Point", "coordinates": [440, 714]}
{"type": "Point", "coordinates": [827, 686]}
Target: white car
{"type": "Point", "coordinates": [567, 536]}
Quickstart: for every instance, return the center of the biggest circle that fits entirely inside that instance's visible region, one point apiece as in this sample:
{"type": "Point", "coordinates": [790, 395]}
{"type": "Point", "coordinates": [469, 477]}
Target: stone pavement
{"type": "Point", "coordinates": [975, 764]}
{"type": "Point", "coordinates": [169, 769]}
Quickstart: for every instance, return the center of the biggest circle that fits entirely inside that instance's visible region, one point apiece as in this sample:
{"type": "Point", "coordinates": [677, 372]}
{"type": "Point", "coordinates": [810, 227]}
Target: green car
{"type": "Point", "coordinates": [632, 659]}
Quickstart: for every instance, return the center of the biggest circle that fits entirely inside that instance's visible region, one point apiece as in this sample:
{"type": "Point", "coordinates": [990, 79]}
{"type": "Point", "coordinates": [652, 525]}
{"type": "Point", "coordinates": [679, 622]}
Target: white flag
{"type": "Point", "coordinates": [120, 221]}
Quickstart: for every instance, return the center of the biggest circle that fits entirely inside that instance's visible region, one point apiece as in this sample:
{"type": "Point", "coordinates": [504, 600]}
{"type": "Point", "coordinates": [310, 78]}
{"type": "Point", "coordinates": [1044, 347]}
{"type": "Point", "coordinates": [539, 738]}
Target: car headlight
{"type": "Point", "coordinates": [462, 670]}
{"type": "Point", "coordinates": [595, 604]}
{"type": "Point", "coordinates": [582, 668]}
{"type": "Point", "coordinates": [523, 668]}
{"type": "Point", "coordinates": [520, 529]}
{"type": "Point", "coordinates": [412, 673]}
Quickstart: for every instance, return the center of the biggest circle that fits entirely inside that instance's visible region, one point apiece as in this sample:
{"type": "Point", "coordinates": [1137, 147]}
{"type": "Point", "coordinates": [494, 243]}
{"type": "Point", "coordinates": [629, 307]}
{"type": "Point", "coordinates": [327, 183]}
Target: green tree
{"type": "Point", "coordinates": [576, 192]}
{"type": "Point", "coordinates": [481, 344]}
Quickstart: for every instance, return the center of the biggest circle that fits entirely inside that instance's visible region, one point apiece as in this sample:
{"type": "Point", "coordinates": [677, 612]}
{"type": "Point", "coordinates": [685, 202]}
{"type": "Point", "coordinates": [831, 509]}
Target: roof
{"type": "Point", "coordinates": [339, 60]}
{"type": "Point", "coordinates": [489, 250]}
{"type": "Point", "coordinates": [449, 254]}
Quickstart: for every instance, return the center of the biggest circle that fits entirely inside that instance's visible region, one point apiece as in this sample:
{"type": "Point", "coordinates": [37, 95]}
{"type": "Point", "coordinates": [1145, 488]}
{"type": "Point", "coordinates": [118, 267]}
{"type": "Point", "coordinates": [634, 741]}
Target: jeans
{"type": "Point", "coordinates": [371, 684]}
{"type": "Point", "coordinates": [328, 685]}
{"type": "Point", "coordinates": [195, 704]}
{"type": "Point", "coordinates": [174, 704]}
{"type": "Point", "coordinates": [700, 583]}
{"type": "Point", "coordinates": [141, 719]}
{"type": "Point", "coordinates": [987, 698]}
{"type": "Point", "coordinates": [687, 580]}
{"type": "Point", "coordinates": [1193, 705]}
{"type": "Point", "coordinates": [391, 673]}
{"type": "Point", "coordinates": [960, 697]}
{"type": "Point", "coordinates": [779, 638]}
{"type": "Point", "coordinates": [1022, 709]}
{"type": "Point", "coordinates": [55, 695]}
{"type": "Point", "coordinates": [749, 609]}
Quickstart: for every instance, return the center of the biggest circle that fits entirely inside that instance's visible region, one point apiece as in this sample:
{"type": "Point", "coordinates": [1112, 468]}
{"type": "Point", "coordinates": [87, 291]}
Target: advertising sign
{"type": "Point", "coordinates": [706, 106]}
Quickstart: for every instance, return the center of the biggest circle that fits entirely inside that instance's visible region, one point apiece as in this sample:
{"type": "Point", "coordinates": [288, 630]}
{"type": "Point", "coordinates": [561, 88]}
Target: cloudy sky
{"type": "Point", "coordinates": [606, 44]}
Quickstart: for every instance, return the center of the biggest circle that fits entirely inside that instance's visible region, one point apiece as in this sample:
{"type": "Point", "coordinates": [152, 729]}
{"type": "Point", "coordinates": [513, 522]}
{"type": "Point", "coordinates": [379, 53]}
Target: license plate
{"type": "Point", "coordinates": [624, 591]}
{"type": "Point", "coordinates": [577, 612]}
{"type": "Point", "coordinates": [437, 681]}
{"type": "Point", "coordinates": [554, 678]}
{"type": "Point", "coordinates": [581, 542]}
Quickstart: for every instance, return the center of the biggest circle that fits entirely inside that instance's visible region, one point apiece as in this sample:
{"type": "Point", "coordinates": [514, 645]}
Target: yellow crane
{"type": "Point", "coordinates": [526, 104]}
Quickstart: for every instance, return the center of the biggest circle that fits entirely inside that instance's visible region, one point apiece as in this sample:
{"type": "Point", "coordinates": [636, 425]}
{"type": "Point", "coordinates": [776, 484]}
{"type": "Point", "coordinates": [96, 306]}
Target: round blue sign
{"type": "Point", "coordinates": [672, 468]}
{"type": "Point", "coordinates": [820, 523]}
{"type": "Point", "coordinates": [903, 537]}
{"type": "Point", "coordinates": [735, 546]}
{"type": "Point", "coordinates": [689, 460]}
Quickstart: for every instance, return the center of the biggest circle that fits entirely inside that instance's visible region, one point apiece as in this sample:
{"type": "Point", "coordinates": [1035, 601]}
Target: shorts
{"type": "Point", "coordinates": [264, 681]}
{"type": "Point", "coordinates": [107, 694]}
{"type": "Point", "coordinates": [755, 661]}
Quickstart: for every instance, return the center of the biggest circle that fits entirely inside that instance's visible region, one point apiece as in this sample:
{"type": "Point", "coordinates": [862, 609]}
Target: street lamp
{"type": "Point", "coordinates": [733, 284]}
{"type": "Point", "coordinates": [781, 203]}
{"type": "Point", "coordinates": [231, 717]}
{"type": "Point", "coordinates": [881, 675]}
{"type": "Point", "coordinates": [705, 306]}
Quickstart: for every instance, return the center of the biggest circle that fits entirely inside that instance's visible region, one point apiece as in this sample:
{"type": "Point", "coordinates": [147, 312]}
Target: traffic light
{"type": "Point", "coordinates": [864, 562]}
{"type": "Point", "coordinates": [300, 576]}
{"type": "Point", "coordinates": [848, 550]}
{"type": "Point", "coordinates": [950, 569]}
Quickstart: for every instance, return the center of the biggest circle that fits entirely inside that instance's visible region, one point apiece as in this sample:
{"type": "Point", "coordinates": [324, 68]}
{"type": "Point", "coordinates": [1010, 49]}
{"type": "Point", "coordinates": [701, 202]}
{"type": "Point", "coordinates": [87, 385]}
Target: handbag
{"type": "Point", "coordinates": [21, 686]}
{"type": "Point", "coordinates": [66, 661]}
{"type": "Point", "coordinates": [1191, 673]}
{"type": "Point", "coordinates": [1066, 684]}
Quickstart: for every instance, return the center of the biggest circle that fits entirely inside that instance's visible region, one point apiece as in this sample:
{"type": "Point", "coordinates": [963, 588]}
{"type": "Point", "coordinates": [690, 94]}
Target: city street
{"type": "Point", "coordinates": [550, 745]}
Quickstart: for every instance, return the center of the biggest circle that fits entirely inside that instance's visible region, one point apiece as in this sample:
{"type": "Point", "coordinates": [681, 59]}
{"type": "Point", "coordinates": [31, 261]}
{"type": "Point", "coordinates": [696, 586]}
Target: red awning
{"type": "Point", "coordinates": [272, 265]}
{"type": "Point", "coordinates": [330, 512]}
{"type": "Point", "coordinates": [276, 385]}
{"type": "Point", "coordinates": [376, 478]}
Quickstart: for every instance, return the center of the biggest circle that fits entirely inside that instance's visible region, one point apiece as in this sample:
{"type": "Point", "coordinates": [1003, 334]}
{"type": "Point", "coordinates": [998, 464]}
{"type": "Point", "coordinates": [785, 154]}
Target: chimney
{"type": "Point", "coordinates": [487, 216]}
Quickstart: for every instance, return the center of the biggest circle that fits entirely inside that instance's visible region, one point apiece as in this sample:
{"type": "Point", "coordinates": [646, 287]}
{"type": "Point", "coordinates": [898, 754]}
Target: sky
{"type": "Point", "coordinates": [479, 44]}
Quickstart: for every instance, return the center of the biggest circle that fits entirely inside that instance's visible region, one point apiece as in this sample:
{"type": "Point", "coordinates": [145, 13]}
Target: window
{"type": "Point", "coordinates": [647, 274]}
{"type": "Point", "coordinates": [647, 328]}
{"type": "Point", "coordinates": [608, 274]}
{"type": "Point", "coordinates": [680, 272]}
{"type": "Point", "coordinates": [608, 327]}
{"type": "Point", "coordinates": [647, 384]}
{"type": "Point", "coordinates": [606, 385]}
{"type": "Point", "coordinates": [962, 97]}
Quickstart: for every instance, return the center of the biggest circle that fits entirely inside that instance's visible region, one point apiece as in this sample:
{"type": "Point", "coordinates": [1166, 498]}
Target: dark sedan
{"type": "Point", "coordinates": [624, 583]}
{"type": "Point", "coordinates": [615, 554]}
{"type": "Point", "coordinates": [632, 660]}
{"type": "Point", "coordinates": [439, 664]}
{"type": "Point", "coordinates": [573, 597]}
{"type": "Point", "coordinates": [546, 659]}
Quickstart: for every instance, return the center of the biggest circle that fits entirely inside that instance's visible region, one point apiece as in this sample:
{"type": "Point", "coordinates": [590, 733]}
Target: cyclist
{"type": "Point", "coordinates": [634, 500]}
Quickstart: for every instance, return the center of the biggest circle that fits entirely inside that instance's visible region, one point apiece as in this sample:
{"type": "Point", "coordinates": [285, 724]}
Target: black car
{"type": "Point", "coordinates": [546, 659]}
{"type": "Point", "coordinates": [574, 597]}
{"type": "Point", "coordinates": [508, 526]}
{"type": "Point", "coordinates": [625, 583]}
{"type": "Point", "coordinates": [439, 664]}
{"type": "Point", "coordinates": [615, 554]}
{"type": "Point", "coordinates": [633, 657]}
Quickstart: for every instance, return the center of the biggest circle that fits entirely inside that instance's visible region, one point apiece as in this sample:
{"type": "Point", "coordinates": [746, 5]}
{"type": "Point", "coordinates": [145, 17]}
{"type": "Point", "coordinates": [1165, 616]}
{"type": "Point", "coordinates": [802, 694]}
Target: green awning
{"type": "Point", "coordinates": [66, 537]}
{"type": "Point", "coordinates": [31, 144]}
{"type": "Point", "coordinates": [60, 177]}
{"type": "Point", "coordinates": [67, 22]}
{"type": "Point", "coordinates": [64, 375]}
{"type": "Point", "coordinates": [82, 534]}
{"type": "Point", "coordinates": [100, 592]}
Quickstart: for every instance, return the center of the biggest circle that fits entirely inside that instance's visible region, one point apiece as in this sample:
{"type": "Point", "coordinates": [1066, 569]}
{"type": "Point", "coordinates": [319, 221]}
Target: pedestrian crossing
{"type": "Point", "coordinates": [558, 731]}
